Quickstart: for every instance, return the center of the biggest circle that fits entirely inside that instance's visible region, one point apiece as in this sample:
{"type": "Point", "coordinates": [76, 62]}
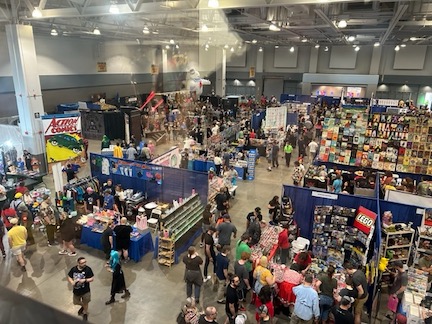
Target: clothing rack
{"type": "Point", "coordinates": [76, 191]}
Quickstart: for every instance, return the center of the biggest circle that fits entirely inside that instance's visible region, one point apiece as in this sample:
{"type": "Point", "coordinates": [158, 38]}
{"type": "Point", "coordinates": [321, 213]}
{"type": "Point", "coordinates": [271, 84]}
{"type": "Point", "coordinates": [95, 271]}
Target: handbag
{"type": "Point", "coordinates": [392, 303]}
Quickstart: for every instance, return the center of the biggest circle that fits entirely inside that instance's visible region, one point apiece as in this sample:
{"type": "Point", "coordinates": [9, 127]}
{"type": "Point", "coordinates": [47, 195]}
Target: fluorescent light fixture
{"type": "Point", "coordinates": [276, 46]}
{"type": "Point", "coordinates": [96, 31]}
{"type": "Point", "coordinates": [146, 30]}
{"type": "Point", "coordinates": [167, 46]}
{"type": "Point", "coordinates": [357, 48]}
{"type": "Point", "coordinates": [317, 46]}
{"type": "Point", "coordinates": [326, 49]}
{"type": "Point", "coordinates": [260, 49]}
{"type": "Point", "coordinates": [213, 3]}
{"type": "Point", "coordinates": [172, 41]}
{"type": "Point", "coordinates": [254, 41]}
{"type": "Point", "coordinates": [177, 46]}
{"type": "Point", "coordinates": [204, 28]}
{"type": "Point", "coordinates": [114, 9]}
{"type": "Point", "coordinates": [354, 46]}
{"type": "Point", "coordinates": [206, 49]}
{"type": "Point", "coordinates": [292, 49]}
{"type": "Point", "coordinates": [403, 45]}
{"type": "Point", "coordinates": [54, 32]}
{"type": "Point", "coordinates": [37, 13]}
{"type": "Point", "coordinates": [274, 28]}
{"type": "Point", "coordinates": [155, 32]}
{"type": "Point", "coordinates": [304, 40]}
{"type": "Point", "coordinates": [351, 38]}
{"type": "Point", "coordinates": [397, 48]}
{"type": "Point", "coordinates": [342, 23]}
{"type": "Point", "coordinates": [377, 44]}
{"type": "Point", "coordinates": [232, 49]}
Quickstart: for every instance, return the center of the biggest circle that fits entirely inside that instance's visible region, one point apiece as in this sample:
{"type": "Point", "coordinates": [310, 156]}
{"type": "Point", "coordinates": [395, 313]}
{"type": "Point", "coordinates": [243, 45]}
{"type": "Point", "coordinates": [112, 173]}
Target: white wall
{"type": "Point", "coordinates": [387, 61]}
{"type": "Point", "coordinates": [5, 68]}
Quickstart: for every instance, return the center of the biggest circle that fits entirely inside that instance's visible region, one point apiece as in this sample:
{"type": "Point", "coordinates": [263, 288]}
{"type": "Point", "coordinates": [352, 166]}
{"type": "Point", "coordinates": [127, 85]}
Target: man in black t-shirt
{"type": "Point", "coordinates": [91, 198]}
{"type": "Point", "coordinates": [80, 277]}
{"type": "Point", "coordinates": [122, 238]}
{"type": "Point", "coordinates": [359, 283]}
{"type": "Point", "coordinates": [210, 255]}
{"type": "Point", "coordinates": [70, 173]}
{"type": "Point", "coordinates": [209, 316]}
{"type": "Point", "coordinates": [232, 300]}
{"type": "Point", "coordinates": [341, 313]}
{"type": "Point", "coordinates": [221, 201]}
{"type": "Point", "coordinates": [107, 239]}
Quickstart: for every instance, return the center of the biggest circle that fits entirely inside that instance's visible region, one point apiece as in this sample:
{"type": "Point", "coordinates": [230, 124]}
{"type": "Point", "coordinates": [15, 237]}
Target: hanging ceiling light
{"type": "Point", "coordinates": [172, 41]}
{"type": "Point", "coordinates": [276, 46]}
{"type": "Point", "coordinates": [146, 30]}
{"type": "Point", "coordinates": [326, 49]}
{"type": "Point", "coordinates": [206, 49]}
{"type": "Point", "coordinates": [114, 9]}
{"type": "Point", "coordinates": [177, 47]}
{"type": "Point", "coordinates": [342, 23]}
{"type": "Point", "coordinates": [292, 49]}
{"type": "Point", "coordinates": [213, 3]}
{"type": "Point", "coordinates": [167, 46]}
{"type": "Point", "coordinates": [37, 13]}
{"type": "Point", "coordinates": [317, 46]}
{"type": "Point", "coordinates": [96, 31]}
{"type": "Point", "coordinates": [377, 44]}
{"type": "Point", "coordinates": [260, 49]}
{"type": "Point", "coordinates": [204, 28]}
{"type": "Point", "coordinates": [304, 40]}
{"type": "Point", "coordinates": [54, 32]}
{"type": "Point", "coordinates": [397, 48]}
{"type": "Point", "coordinates": [351, 38]}
{"type": "Point", "coordinates": [254, 41]}
{"type": "Point", "coordinates": [273, 27]}
{"type": "Point", "coordinates": [207, 45]}
{"type": "Point", "coordinates": [403, 45]}
{"type": "Point", "coordinates": [155, 32]}
{"type": "Point", "coordinates": [357, 48]}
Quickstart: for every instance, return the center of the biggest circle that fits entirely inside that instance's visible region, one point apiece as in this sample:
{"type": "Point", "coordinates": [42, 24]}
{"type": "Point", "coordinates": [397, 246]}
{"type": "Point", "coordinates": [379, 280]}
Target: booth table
{"type": "Point", "coordinates": [139, 246]}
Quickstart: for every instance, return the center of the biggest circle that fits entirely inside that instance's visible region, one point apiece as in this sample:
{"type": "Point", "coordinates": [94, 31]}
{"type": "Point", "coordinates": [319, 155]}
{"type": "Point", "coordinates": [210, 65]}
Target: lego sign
{"type": "Point", "coordinates": [364, 220]}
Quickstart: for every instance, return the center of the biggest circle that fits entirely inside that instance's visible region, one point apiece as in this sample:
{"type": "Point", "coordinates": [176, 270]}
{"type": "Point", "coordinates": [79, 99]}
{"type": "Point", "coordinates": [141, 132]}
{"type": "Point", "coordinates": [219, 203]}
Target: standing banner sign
{"type": "Point", "coordinates": [251, 164]}
{"type": "Point", "coordinates": [63, 139]}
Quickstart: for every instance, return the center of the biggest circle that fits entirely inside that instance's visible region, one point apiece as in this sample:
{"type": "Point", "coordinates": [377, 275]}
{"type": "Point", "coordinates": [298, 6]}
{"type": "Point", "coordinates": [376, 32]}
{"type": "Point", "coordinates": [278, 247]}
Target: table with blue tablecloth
{"type": "Point", "coordinates": [140, 245]}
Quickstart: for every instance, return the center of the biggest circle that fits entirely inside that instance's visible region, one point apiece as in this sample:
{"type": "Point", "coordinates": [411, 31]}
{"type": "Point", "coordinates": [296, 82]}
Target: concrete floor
{"type": "Point", "coordinates": [157, 291]}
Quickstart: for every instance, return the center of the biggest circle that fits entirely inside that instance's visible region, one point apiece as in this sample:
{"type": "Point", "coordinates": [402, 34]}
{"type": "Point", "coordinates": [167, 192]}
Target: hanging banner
{"type": "Point", "coordinates": [364, 220]}
{"type": "Point", "coordinates": [63, 139]}
{"type": "Point", "coordinates": [171, 158]}
{"type": "Point", "coordinates": [251, 164]}
{"type": "Point", "coordinates": [252, 72]}
{"type": "Point", "coordinates": [276, 117]}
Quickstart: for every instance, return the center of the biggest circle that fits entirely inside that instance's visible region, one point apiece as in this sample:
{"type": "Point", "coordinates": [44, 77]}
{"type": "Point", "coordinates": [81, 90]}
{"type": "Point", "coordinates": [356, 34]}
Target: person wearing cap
{"type": "Point", "coordinates": [342, 313]}
{"type": "Point", "coordinates": [107, 240]}
{"type": "Point", "coordinates": [25, 217]}
{"type": "Point", "coordinates": [91, 198]}
{"type": "Point", "coordinates": [263, 314]}
{"type": "Point", "coordinates": [17, 241]}
{"type": "Point", "coordinates": [306, 307]}
{"type": "Point", "coordinates": [48, 217]}
{"type": "Point", "coordinates": [67, 233]}
{"type": "Point", "coordinates": [210, 255]}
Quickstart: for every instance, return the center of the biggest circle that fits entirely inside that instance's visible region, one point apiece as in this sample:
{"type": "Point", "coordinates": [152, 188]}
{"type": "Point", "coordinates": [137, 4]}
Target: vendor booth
{"type": "Point", "coordinates": [96, 124]}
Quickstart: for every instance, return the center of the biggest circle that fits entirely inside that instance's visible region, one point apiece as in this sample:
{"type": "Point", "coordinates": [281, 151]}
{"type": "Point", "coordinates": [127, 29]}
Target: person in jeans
{"type": "Point", "coordinates": [193, 276]}
{"type": "Point", "coordinates": [306, 307]}
{"type": "Point", "coordinates": [210, 255]}
{"type": "Point", "coordinates": [326, 287]}
{"type": "Point", "coordinates": [224, 231]}
{"type": "Point", "coordinates": [222, 263]}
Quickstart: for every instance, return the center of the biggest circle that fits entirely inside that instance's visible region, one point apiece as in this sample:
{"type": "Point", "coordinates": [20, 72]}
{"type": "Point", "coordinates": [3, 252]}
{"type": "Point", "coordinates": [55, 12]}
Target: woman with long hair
{"type": "Point", "coordinates": [326, 287]}
{"type": "Point", "coordinates": [193, 275]}
{"type": "Point", "coordinates": [118, 284]}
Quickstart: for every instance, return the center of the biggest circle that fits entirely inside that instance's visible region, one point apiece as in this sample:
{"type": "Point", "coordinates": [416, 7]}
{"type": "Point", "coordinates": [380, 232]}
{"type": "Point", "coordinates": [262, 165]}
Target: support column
{"type": "Point", "coordinates": [259, 69]}
{"type": "Point", "coordinates": [220, 86]}
{"type": "Point", "coordinates": [28, 92]}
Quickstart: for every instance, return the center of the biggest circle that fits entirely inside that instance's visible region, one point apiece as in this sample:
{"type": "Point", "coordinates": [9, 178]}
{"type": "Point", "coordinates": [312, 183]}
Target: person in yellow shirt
{"type": "Point", "coordinates": [17, 241]}
{"type": "Point", "coordinates": [118, 151]}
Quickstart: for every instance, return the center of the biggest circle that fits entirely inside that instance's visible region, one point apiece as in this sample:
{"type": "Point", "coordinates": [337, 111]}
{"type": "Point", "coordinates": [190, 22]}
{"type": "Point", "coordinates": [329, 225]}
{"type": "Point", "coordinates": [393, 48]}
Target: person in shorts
{"type": "Point", "coordinates": [17, 241]}
{"type": "Point", "coordinates": [122, 238]}
{"type": "Point", "coordinates": [80, 277]}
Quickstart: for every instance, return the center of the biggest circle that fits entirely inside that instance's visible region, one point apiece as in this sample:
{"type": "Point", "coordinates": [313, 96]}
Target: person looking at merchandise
{"type": "Point", "coordinates": [252, 216]}
{"type": "Point", "coordinates": [109, 201]}
{"type": "Point", "coordinates": [108, 185]}
{"type": "Point", "coordinates": [400, 282]}
{"type": "Point", "coordinates": [326, 287]}
{"type": "Point", "coordinates": [274, 209]}
{"type": "Point", "coordinates": [337, 184]}
{"type": "Point", "coordinates": [91, 198]}
{"type": "Point", "coordinates": [262, 275]}
{"type": "Point", "coordinates": [349, 291]}
{"type": "Point", "coordinates": [306, 307]}
{"type": "Point", "coordinates": [360, 283]}
{"type": "Point", "coordinates": [107, 240]}
{"type": "Point", "coordinates": [304, 260]}
{"type": "Point", "coordinates": [264, 299]}
{"type": "Point", "coordinates": [122, 238]}
{"type": "Point", "coordinates": [425, 264]}
{"type": "Point", "coordinates": [283, 244]}
{"type": "Point", "coordinates": [342, 313]}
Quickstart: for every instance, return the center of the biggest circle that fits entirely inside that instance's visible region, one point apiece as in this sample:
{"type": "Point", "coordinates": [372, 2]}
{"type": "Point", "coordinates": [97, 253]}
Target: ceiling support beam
{"type": "Point", "coordinates": [330, 24]}
{"type": "Point", "coordinates": [393, 22]}
{"type": "Point", "coordinates": [42, 4]}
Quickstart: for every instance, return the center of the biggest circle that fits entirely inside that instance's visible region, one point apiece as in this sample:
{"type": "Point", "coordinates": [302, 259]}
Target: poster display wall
{"type": "Point", "coordinates": [276, 117]}
{"type": "Point", "coordinates": [63, 138]}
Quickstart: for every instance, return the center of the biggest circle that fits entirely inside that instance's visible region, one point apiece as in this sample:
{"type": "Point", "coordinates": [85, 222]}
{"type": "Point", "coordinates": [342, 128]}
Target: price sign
{"type": "Point", "coordinates": [364, 220]}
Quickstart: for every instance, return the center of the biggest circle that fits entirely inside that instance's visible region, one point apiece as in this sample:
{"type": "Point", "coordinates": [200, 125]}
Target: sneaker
{"type": "Point", "coordinates": [49, 244]}
{"type": "Point", "coordinates": [221, 301]}
{"type": "Point", "coordinates": [201, 245]}
{"type": "Point", "coordinates": [126, 294]}
{"type": "Point", "coordinates": [63, 252]}
{"type": "Point", "coordinates": [81, 310]}
{"type": "Point", "coordinates": [72, 254]}
{"type": "Point", "coordinates": [4, 256]}
{"type": "Point", "coordinates": [85, 317]}
{"type": "Point", "coordinates": [242, 309]}
{"type": "Point", "coordinates": [207, 279]}
{"type": "Point", "coordinates": [111, 301]}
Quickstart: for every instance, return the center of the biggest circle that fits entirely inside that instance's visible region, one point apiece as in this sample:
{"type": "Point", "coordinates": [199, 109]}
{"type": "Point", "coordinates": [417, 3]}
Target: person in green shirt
{"type": "Point", "coordinates": [288, 150]}
{"type": "Point", "coordinates": [242, 246]}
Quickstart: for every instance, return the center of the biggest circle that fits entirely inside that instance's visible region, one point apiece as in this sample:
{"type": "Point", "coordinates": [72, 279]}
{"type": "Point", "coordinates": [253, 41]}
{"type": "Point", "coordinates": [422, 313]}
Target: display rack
{"type": "Point", "coordinates": [180, 220]}
{"type": "Point", "coordinates": [397, 245]}
{"type": "Point", "coordinates": [166, 251]}
{"type": "Point", "coordinates": [423, 243]}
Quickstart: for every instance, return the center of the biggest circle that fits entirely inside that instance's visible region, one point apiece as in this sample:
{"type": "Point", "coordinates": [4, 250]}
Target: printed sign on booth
{"type": "Point", "coordinates": [364, 220]}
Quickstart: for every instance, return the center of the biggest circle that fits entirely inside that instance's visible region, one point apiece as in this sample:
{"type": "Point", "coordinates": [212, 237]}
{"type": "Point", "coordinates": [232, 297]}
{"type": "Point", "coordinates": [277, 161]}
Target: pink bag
{"type": "Point", "coordinates": [392, 303]}
{"type": "Point", "coordinates": [141, 222]}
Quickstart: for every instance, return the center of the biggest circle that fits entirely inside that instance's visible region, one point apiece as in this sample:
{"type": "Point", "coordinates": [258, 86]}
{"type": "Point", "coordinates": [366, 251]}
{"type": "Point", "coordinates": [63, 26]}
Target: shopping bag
{"type": "Point", "coordinates": [392, 303]}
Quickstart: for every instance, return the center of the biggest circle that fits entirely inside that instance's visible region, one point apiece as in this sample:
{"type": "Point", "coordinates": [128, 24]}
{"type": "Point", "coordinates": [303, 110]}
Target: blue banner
{"type": "Point", "coordinates": [251, 164]}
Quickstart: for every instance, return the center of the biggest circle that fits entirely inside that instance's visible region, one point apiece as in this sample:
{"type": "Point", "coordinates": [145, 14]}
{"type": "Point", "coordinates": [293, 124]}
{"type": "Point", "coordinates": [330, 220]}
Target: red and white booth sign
{"type": "Point", "coordinates": [364, 220]}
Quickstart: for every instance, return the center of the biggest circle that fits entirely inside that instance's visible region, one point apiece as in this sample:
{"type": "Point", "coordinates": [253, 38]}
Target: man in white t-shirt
{"type": "Point", "coordinates": [313, 148]}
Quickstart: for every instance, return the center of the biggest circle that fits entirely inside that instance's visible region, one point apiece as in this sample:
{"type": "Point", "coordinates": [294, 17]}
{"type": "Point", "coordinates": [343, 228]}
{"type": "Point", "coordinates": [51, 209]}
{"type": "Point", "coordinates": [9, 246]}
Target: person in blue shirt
{"type": "Point", "coordinates": [306, 307]}
{"type": "Point", "coordinates": [109, 201]}
{"type": "Point", "coordinates": [222, 263]}
{"type": "Point", "coordinates": [337, 184]}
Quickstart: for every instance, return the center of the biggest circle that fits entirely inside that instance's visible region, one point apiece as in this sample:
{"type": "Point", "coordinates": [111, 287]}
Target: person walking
{"type": "Point", "coordinates": [17, 242]}
{"type": "Point", "coordinates": [80, 277]}
{"type": "Point", "coordinates": [288, 151]}
{"type": "Point", "coordinates": [326, 287]}
{"type": "Point", "coordinates": [275, 154]}
{"type": "Point", "coordinates": [122, 238]}
{"type": "Point", "coordinates": [25, 217]}
{"type": "Point", "coordinates": [118, 284]}
{"type": "Point", "coordinates": [242, 272]}
{"type": "Point", "coordinates": [207, 220]}
{"type": "Point", "coordinates": [48, 217]}
{"type": "Point", "coordinates": [131, 152]}
{"type": "Point", "coordinates": [222, 263]}
{"type": "Point", "coordinates": [297, 175]}
{"type": "Point", "coordinates": [359, 283]}
{"type": "Point", "coordinates": [210, 255]}
{"type": "Point", "coordinates": [313, 149]}
{"type": "Point", "coordinates": [107, 240]}
{"type": "Point", "coordinates": [232, 300]}
{"type": "Point", "coordinates": [193, 276]}
{"type": "Point", "coordinates": [224, 231]}
{"type": "Point", "coordinates": [306, 307]}
{"type": "Point", "coordinates": [67, 233]}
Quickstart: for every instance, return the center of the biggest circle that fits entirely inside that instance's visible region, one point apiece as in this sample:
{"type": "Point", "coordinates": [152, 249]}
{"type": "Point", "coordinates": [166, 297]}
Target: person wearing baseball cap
{"type": "Point", "coordinates": [91, 198]}
{"type": "Point", "coordinates": [17, 241]}
{"type": "Point", "coordinates": [342, 313]}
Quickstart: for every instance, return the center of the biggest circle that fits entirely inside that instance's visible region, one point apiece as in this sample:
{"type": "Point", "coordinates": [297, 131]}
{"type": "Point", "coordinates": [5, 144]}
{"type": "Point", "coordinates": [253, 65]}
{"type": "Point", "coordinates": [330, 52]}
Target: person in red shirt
{"type": "Point", "coordinates": [21, 188]}
{"type": "Point", "coordinates": [252, 134]}
{"type": "Point", "coordinates": [304, 260]}
{"type": "Point", "coordinates": [7, 214]}
{"type": "Point", "coordinates": [283, 244]}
